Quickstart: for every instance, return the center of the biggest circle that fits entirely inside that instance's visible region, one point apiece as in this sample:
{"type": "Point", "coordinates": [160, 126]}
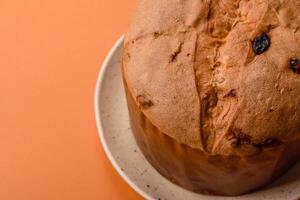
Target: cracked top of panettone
{"type": "Point", "coordinates": [218, 75]}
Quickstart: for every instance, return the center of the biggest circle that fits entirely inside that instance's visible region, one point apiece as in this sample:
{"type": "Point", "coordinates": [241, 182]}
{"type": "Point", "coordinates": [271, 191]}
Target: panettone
{"type": "Point", "coordinates": [213, 90]}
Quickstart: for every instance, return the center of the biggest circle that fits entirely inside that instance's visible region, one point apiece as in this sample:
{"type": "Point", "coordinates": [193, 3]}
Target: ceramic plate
{"type": "Point", "coordinates": [121, 149]}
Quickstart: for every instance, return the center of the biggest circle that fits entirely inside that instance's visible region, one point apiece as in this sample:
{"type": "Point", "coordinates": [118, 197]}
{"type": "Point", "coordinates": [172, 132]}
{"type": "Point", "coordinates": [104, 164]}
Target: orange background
{"type": "Point", "coordinates": [50, 55]}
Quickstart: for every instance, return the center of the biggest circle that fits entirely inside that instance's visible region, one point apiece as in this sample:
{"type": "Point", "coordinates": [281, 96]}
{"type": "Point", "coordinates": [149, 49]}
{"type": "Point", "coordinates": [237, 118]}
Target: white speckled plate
{"type": "Point", "coordinates": [122, 151]}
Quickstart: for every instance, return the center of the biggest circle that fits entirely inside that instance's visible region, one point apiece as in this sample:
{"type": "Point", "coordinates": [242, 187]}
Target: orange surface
{"type": "Point", "coordinates": [50, 54]}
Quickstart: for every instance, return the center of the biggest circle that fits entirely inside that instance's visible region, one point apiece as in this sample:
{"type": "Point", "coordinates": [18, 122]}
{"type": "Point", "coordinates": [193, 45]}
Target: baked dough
{"type": "Point", "coordinates": [213, 90]}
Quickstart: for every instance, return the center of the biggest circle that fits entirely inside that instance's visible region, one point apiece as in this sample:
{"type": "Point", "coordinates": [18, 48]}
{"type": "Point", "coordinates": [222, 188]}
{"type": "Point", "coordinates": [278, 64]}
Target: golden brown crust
{"type": "Point", "coordinates": [191, 70]}
{"type": "Point", "coordinates": [201, 172]}
{"type": "Point", "coordinates": [171, 87]}
{"type": "Point", "coordinates": [187, 56]}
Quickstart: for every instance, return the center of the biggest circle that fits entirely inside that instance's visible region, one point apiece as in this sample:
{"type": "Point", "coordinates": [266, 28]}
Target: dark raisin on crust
{"type": "Point", "coordinates": [156, 35]}
{"type": "Point", "coordinates": [295, 65]}
{"type": "Point", "coordinates": [231, 93]}
{"type": "Point", "coordinates": [237, 138]}
{"type": "Point", "coordinates": [144, 102]}
{"type": "Point", "coordinates": [267, 143]}
{"type": "Point", "coordinates": [261, 44]}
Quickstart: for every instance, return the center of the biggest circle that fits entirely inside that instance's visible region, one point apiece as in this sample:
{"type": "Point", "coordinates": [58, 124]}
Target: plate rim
{"type": "Point", "coordinates": [99, 122]}
{"type": "Point", "coordinates": [97, 102]}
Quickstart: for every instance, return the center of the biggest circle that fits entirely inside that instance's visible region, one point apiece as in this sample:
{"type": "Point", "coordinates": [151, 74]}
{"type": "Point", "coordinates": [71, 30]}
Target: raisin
{"type": "Point", "coordinates": [231, 93]}
{"type": "Point", "coordinates": [235, 142]}
{"type": "Point", "coordinates": [156, 35]}
{"type": "Point", "coordinates": [261, 43]}
{"type": "Point", "coordinates": [144, 101]}
{"type": "Point", "coordinates": [295, 65]}
{"type": "Point", "coordinates": [270, 142]}
{"type": "Point", "coordinates": [237, 138]}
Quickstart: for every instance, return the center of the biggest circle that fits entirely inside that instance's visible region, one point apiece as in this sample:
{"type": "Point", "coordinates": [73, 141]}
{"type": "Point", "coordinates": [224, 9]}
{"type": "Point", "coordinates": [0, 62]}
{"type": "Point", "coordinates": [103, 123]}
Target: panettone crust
{"type": "Point", "coordinates": [193, 71]}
